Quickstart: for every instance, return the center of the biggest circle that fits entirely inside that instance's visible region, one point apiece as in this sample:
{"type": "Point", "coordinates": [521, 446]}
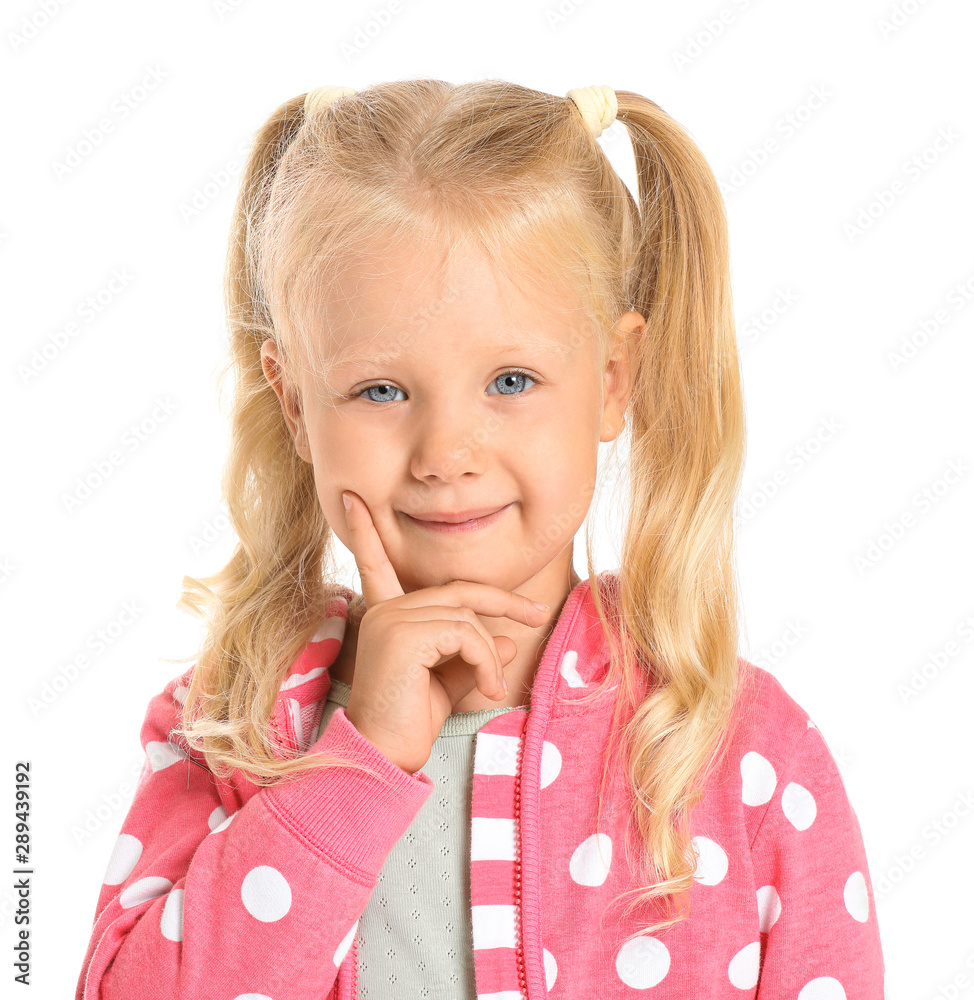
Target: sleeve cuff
{"type": "Point", "coordinates": [347, 815]}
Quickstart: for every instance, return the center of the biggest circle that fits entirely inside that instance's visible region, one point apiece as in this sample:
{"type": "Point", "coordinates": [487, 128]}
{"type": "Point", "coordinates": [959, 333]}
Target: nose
{"type": "Point", "coordinates": [452, 440]}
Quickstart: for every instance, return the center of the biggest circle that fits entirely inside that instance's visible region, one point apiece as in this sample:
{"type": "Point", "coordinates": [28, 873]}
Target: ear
{"type": "Point", "coordinates": [619, 374]}
{"type": "Point", "coordinates": [289, 396]}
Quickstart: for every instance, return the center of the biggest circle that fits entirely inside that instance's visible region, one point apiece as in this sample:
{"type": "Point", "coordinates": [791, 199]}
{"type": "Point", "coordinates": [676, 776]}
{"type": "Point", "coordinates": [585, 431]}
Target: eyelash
{"type": "Point", "coordinates": [509, 371]}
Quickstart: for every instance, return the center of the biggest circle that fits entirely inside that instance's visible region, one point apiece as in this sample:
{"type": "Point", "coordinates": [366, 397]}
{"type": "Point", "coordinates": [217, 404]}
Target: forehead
{"type": "Point", "coordinates": [382, 310]}
{"type": "Point", "coordinates": [371, 352]}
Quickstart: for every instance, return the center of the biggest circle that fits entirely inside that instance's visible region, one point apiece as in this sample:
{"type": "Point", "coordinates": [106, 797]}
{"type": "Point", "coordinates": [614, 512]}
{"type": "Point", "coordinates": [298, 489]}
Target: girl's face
{"type": "Point", "coordinates": [463, 394]}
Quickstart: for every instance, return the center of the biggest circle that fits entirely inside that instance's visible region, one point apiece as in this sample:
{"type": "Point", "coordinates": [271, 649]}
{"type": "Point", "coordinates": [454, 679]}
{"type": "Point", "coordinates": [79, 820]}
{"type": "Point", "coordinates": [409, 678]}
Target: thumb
{"type": "Point", "coordinates": [506, 648]}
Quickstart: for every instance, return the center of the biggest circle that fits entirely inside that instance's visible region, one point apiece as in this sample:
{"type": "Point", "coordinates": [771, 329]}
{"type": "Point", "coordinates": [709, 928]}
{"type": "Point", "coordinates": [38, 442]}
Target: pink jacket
{"type": "Point", "coordinates": [226, 890]}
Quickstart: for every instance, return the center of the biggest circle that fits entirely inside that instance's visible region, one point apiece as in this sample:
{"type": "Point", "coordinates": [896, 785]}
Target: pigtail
{"type": "Point", "coordinates": [264, 605]}
{"type": "Point", "coordinates": [677, 610]}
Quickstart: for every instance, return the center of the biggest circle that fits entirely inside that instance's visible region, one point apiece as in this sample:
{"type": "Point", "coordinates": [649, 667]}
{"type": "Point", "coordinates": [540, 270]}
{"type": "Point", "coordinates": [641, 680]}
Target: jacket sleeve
{"type": "Point", "coordinates": [815, 896]}
{"type": "Point", "coordinates": [263, 902]}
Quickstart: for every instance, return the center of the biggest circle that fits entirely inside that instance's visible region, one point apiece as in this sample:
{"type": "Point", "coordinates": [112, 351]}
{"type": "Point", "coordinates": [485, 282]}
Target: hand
{"type": "Point", "coordinates": [399, 699]}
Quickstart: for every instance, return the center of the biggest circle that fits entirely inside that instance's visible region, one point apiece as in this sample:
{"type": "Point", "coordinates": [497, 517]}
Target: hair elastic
{"type": "Point", "coordinates": [598, 106]}
{"type": "Point", "coordinates": [321, 97]}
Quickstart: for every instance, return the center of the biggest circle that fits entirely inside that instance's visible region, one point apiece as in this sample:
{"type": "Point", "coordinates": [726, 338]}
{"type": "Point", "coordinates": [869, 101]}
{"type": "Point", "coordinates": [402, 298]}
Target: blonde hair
{"type": "Point", "coordinates": [515, 170]}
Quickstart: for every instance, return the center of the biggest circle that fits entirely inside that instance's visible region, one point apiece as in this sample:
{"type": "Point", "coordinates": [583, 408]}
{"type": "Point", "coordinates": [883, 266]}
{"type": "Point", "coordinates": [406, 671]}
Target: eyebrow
{"type": "Point", "coordinates": [384, 357]}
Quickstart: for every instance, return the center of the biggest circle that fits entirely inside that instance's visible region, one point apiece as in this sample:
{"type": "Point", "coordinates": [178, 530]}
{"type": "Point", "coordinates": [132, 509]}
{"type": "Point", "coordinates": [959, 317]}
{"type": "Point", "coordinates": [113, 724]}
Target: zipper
{"type": "Point", "coordinates": [354, 968]}
{"type": "Point", "coordinates": [518, 941]}
{"type": "Point", "coordinates": [346, 984]}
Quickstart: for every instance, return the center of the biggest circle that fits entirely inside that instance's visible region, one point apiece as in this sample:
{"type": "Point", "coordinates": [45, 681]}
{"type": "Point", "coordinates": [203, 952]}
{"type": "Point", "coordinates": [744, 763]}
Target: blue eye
{"type": "Point", "coordinates": [369, 388]}
{"type": "Point", "coordinates": [510, 381]}
{"type": "Point", "coordinates": [505, 380]}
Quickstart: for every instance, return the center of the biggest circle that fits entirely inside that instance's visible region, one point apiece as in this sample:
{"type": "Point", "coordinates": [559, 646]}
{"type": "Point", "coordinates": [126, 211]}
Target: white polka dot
{"type": "Point", "coordinates": [643, 962]}
{"type": "Point", "coordinates": [550, 763]}
{"type": "Point", "coordinates": [161, 755]}
{"type": "Point", "coordinates": [224, 824]}
{"type": "Point", "coordinates": [550, 969]}
{"type": "Point", "coordinates": [491, 839]}
{"type": "Point", "coordinates": [769, 907]}
{"type": "Point", "coordinates": [342, 950]}
{"type": "Point", "coordinates": [128, 850]}
{"type": "Point", "coordinates": [711, 863]}
{"type": "Point", "coordinates": [145, 888]}
{"type": "Point", "coordinates": [171, 923]}
{"type": "Point", "coordinates": [265, 893]}
{"type": "Point", "coordinates": [744, 967]}
{"type": "Point", "coordinates": [759, 779]}
{"type": "Point", "coordinates": [179, 693]}
{"type": "Point", "coordinates": [856, 897]}
{"type": "Point", "coordinates": [569, 669]}
{"type": "Point", "coordinates": [798, 805]}
{"type": "Point", "coordinates": [590, 861]}
{"type": "Point", "coordinates": [216, 817]}
{"type": "Point", "coordinates": [252, 996]}
{"type": "Point", "coordinates": [823, 988]}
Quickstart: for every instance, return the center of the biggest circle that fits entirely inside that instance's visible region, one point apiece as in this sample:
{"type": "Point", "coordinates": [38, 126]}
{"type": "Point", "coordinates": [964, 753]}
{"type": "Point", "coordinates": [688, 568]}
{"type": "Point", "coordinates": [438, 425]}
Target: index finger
{"type": "Point", "coordinates": [379, 580]}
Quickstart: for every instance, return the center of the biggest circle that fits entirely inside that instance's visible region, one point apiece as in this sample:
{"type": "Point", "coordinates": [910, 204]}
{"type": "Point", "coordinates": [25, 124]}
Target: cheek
{"type": "Point", "coordinates": [342, 455]}
{"type": "Point", "coordinates": [333, 458]}
{"type": "Point", "coordinates": [345, 458]}
{"type": "Point", "coordinates": [557, 484]}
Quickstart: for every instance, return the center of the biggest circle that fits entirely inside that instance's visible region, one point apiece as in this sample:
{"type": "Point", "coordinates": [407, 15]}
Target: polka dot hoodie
{"type": "Point", "coordinates": [230, 891]}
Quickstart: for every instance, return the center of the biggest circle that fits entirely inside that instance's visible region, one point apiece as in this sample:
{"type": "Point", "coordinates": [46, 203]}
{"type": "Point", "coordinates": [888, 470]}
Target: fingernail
{"type": "Point", "coordinates": [540, 606]}
{"type": "Point", "coordinates": [347, 500]}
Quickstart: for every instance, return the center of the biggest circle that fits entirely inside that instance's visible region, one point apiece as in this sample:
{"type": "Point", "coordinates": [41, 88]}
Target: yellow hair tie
{"type": "Point", "coordinates": [598, 106]}
{"type": "Point", "coordinates": [321, 97]}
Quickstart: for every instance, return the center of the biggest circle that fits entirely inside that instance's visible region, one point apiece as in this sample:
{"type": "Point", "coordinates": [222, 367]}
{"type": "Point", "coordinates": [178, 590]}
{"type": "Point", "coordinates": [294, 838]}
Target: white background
{"type": "Point", "coordinates": [852, 583]}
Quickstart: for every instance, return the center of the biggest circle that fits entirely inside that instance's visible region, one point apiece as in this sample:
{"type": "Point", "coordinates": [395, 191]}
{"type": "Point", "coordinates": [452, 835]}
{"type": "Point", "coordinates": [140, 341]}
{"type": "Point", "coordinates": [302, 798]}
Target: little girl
{"type": "Point", "coordinates": [482, 776]}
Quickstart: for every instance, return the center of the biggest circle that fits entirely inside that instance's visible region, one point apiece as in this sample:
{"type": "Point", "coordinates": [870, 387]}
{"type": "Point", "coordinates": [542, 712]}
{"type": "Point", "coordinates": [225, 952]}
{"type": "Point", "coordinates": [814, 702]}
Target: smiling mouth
{"type": "Point", "coordinates": [449, 518]}
{"type": "Point", "coordinates": [449, 528]}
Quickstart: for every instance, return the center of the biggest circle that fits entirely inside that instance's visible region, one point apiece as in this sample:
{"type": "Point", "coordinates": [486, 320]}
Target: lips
{"type": "Point", "coordinates": [465, 525]}
{"type": "Point", "coordinates": [445, 517]}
